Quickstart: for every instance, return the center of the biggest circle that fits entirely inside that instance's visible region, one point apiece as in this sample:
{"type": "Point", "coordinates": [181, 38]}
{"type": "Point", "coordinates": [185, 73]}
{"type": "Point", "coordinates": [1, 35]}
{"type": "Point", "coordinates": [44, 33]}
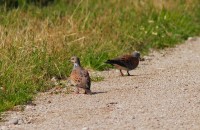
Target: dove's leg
{"type": "Point", "coordinates": [76, 90]}
{"type": "Point", "coordinates": [121, 73]}
{"type": "Point", "coordinates": [87, 91]}
{"type": "Point", "coordinates": [128, 73]}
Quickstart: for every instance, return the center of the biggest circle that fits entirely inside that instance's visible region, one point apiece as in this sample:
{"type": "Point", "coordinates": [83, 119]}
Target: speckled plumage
{"type": "Point", "coordinates": [79, 76]}
{"type": "Point", "coordinates": [125, 62]}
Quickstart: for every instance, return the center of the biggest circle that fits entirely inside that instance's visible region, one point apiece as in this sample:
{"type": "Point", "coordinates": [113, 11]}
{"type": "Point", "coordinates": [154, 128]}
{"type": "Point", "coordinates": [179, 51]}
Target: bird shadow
{"type": "Point", "coordinates": [128, 75]}
{"type": "Point", "coordinates": [93, 93]}
{"type": "Point", "coordinates": [131, 75]}
{"type": "Point", "coordinates": [137, 75]}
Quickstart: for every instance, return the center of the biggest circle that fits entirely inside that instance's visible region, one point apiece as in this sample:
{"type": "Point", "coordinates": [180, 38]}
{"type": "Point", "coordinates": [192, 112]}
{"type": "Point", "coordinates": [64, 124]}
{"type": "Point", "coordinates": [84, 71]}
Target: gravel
{"type": "Point", "coordinates": [163, 93]}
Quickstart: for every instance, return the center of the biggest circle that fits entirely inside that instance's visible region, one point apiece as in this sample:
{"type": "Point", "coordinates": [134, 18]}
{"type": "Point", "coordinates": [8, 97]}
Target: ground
{"type": "Point", "coordinates": [162, 93]}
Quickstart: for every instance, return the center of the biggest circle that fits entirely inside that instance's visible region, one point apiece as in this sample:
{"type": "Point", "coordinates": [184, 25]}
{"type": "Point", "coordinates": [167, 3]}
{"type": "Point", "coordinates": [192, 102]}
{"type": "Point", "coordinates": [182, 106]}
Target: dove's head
{"type": "Point", "coordinates": [136, 54]}
{"type": "Point", "coordinates": [75, 60]}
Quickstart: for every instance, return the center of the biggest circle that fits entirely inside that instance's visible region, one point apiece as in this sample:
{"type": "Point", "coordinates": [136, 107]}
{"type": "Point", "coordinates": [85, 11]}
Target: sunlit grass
{"type": "Point", "coordinates": [36, 43]}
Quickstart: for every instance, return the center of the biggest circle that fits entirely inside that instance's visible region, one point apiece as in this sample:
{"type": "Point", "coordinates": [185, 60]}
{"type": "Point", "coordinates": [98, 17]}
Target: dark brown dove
{"type": "Point", "coordinates": [125, 62]}
{"type": "Point", "coordinates": [80, 77]}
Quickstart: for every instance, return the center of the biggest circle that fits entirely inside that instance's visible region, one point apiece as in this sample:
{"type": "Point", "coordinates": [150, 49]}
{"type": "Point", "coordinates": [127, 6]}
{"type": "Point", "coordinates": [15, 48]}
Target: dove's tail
{"type": "Point", "coordinates": [111, 62]}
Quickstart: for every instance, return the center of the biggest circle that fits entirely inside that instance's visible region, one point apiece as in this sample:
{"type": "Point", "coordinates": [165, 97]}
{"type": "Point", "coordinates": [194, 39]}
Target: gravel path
{"type": "Point", "coordinates": [163, 93]}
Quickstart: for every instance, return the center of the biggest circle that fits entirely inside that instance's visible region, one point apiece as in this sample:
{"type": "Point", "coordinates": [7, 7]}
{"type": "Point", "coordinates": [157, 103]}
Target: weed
{"type": "Point", "coordinates": [97, 78]}
{"type": "Point", "coordinates": [37, 42]}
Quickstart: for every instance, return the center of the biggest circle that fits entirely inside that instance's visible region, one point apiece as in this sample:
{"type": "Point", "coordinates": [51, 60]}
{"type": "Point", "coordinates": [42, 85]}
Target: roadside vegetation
{"type": "Point", "coordinates": [37, 38]}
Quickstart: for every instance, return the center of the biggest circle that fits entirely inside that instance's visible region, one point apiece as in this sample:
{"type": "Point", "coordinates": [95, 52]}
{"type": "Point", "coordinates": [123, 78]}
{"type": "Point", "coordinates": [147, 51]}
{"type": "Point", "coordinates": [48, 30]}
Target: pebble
{"type": "Point", "coordinates": [13, 121]}
{"type": "Point", "coordinates": [20, 121]}
{"type": "Point", "coordinates": [28, 107]}
{"type": "Point", "coordinates": [3, 128]}
{"type": "Point", "coordinates": [85, 128]}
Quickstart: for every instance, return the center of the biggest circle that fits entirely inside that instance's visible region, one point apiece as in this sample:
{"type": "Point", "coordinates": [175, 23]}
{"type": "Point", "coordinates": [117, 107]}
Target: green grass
{"type": "Point", "coordinates": [37, 42]}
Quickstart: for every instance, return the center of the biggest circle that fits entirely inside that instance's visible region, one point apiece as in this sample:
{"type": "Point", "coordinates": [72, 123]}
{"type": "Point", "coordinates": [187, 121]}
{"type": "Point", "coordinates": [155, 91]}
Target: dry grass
{"type": "Point", "coordinates": [36, 43]}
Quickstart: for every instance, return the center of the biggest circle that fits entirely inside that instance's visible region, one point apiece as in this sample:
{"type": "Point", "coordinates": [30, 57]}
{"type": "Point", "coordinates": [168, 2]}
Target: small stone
{"type": "Point", "coordinates": [147, 58]}
{"type": "Point", "coordinates": [19, 108]}
{"type": "Point", "coordinates": [85, 128]}
{"type": "Point", "coordinates": [29, 122]}
{"type": "Point", "coordinates": [113, 103]}
{"type": "Point", "coordinates": [54, 81]}
{"type": "Point", "coordinates": [20, 121]}
{"type": "Point", "coordinates": [13, 121]}
{"type": "Point", "coordinates": [192, 39]}
{"type": "Point", "coordinates": [31, 103]}
{"type": "Point", "coordinates": [3, 128]}
{"type": "Point", "coordinates": [28, 107]}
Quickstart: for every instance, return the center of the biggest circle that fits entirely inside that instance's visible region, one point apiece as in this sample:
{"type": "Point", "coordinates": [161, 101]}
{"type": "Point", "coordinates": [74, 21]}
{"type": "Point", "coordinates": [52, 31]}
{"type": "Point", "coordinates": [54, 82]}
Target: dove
{"type": "Point", "coordinates": [80, 77]}
{"type": "Point", "coordinates": [125, 62]}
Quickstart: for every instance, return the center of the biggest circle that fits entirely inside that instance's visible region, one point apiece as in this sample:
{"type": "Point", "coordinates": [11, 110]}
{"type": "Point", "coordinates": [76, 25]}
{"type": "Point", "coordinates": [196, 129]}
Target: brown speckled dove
{"type": "Point", "coordinates": [80, 77]}
{"type": "Point", "coordinates": [125, 62]}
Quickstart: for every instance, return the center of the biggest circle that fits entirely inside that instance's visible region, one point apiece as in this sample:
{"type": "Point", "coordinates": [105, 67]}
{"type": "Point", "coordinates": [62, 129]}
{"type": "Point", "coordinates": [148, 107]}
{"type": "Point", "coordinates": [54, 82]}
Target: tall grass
{"type": "Point", "coordinates": [37, 42]}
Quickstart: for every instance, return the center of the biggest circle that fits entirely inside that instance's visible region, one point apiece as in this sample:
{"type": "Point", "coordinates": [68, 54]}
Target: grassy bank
{"type": "Point", "coordinates": [36, 42]}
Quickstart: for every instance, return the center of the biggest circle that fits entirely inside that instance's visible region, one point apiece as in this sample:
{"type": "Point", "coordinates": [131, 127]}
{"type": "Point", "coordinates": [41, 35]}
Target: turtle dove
{"type": "Point", "coordinates": [80, 77]}
{"type": "Point", "coordinates": [125, 62]}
